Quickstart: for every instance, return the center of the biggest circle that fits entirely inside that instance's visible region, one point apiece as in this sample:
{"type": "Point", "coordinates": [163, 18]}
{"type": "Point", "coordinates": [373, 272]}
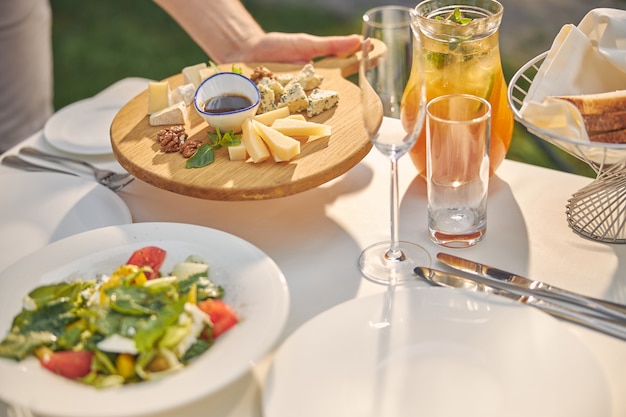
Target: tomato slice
{"type": "Point", "coordinates": [68, 363]}
{"type": "Point", "coordinates": [222, 316]}
{"type": "Point", "coordinates": [150, 256]}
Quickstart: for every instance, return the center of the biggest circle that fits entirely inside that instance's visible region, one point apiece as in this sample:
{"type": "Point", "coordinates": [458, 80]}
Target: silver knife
{"type": "Point", "coordinates": [538, 288]}
{"type": "Point", "coordinates": [446, 279]}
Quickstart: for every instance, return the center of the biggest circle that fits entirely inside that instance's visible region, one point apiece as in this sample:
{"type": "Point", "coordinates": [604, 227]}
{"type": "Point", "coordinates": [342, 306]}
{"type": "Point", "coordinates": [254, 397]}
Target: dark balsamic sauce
{"type": "Point", "coordinates": [226, 103]}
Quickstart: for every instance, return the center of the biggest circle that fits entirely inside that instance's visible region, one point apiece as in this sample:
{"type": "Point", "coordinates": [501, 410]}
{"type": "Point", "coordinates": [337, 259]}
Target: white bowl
{"type": "Point", "coordinates": [227, 83]}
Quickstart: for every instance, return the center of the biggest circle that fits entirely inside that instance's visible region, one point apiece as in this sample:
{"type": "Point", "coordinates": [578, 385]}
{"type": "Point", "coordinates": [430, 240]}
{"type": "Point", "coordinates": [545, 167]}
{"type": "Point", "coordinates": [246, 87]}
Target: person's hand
{"type": "Point", "coordinates": [295, 47]}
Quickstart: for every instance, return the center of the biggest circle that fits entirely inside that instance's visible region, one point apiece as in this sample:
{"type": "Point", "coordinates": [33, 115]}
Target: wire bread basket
{"type": "Point", "coordinates": [597, 211]}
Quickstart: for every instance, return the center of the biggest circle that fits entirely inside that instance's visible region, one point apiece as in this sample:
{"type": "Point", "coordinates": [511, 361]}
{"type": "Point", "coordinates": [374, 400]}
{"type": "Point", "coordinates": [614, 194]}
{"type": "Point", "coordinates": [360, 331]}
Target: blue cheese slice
{"type": "Point", "coordinates": [320, 101]}
{"type": "Point", "coordinates": [176, 114]}
{"type": "Point", "coordinates": [268, 99]}
{"type": "Point", "coordinates": [277, 87]}
{"type": "Point", "coordinates": [295, 98]}
{"type": "Point", "coordinates": [284, 78]}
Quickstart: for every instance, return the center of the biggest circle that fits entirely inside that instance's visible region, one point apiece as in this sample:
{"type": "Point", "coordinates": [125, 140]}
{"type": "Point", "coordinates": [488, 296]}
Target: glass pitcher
{"type": "Point", "coordinates": [462, 55]}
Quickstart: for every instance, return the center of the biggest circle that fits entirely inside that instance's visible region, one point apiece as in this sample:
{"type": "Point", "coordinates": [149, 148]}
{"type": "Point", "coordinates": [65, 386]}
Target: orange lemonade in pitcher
{"type": "Point", "coordinates": [461, 54]}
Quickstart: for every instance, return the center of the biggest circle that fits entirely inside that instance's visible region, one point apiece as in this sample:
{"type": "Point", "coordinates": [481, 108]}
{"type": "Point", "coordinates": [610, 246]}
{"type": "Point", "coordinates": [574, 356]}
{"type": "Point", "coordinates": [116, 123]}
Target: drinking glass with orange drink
{"type": "Point", "coordinates": [462, 56]}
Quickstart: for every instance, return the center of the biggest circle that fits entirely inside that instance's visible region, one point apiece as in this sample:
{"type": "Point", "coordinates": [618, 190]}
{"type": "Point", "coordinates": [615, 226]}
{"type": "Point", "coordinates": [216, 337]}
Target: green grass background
{"type": "Point", "coordinates": [97, 43]}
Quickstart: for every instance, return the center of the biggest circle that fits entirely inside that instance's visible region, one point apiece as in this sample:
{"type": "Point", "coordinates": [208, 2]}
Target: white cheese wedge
{"type": "Point", "coordinates": [252, 141]}
{"type": "Point", "coordinates": [237, 152]}
{"type": "Point", "coordinates": [191, 74]}
{"type": "Point", "coordinates": [183, 93]}
{"type": "Point", "coordinates": [158, 96]}
{"type": "Point", "coordinates": [295, 127]}
{"type": "Point", "coordinates": [282, 147]}
{"type": "Point", "coordinates": [176, 114]}
{"type": "Point", "coordinates": [268, 118]}
{"type": "Point", "coordinates": [205, 73]}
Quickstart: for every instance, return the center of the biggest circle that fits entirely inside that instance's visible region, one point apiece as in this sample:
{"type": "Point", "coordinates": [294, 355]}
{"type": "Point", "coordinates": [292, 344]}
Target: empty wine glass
{"type": "Point", "coordinates": [392, 85]}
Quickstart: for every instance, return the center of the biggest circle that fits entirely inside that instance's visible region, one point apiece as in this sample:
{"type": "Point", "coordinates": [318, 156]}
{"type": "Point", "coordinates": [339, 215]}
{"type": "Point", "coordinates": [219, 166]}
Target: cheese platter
{"type": "Point", "coordinates": [135, 145]}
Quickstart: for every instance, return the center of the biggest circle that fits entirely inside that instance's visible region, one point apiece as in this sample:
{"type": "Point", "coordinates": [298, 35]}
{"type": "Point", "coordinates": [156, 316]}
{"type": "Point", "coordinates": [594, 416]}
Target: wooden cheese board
{"type": "Point", "coordinates": [137, 150]}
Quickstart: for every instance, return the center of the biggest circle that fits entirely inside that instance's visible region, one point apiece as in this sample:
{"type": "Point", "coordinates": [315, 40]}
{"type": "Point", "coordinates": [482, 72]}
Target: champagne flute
{"type": "Point", "coordinates": [392, 85]}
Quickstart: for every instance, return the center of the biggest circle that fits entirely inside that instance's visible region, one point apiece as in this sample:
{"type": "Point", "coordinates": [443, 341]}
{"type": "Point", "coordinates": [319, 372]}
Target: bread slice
{"type": "Point", "coordinates": [605, 122]}
{"type": "Point", "coordinates": [604, 115]}
{"type": "Point", "coordinates": [601, 103]}
{"type": "Point", "coordinates": [615, 136]}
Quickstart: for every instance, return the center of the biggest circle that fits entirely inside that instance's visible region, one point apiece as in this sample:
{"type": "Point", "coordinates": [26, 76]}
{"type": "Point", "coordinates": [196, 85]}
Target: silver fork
{"type": "Point", "coordinates": [102, 175]}
{"type": "Point", "coordinates": [15, 161]}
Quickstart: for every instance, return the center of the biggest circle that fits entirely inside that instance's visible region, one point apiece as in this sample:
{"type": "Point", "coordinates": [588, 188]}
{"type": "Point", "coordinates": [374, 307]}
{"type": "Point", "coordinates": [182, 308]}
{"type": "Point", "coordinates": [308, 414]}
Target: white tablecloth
{"type": "Point", "coordinates": [316, 236]}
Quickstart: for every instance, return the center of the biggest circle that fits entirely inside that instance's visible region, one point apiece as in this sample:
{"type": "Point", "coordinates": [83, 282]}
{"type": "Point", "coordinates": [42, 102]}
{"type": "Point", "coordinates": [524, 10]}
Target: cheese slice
{"type": "Point", "coordinates": [282, 147]}
{"type": "Point", "coordinates": [205, 73]}
{"type": "Point", "coordinates": [237, 152]}
{"type": "Point", "coordinates": [296, 127]}
{"type": "Point", "coordinates": [158, 96]}
{"type": "Point", "coordinates": [253, 143]}
{"type": "Point", "coordinates": [268, 118]}
{"type": "Point", "coordinates": [320, 101]}
{"type": "Point", "coordinates": [176, 114]}
{"type": "Point", "coordinates": [191, 74]}
{"type": "Point", "coordinates": [183, 93]}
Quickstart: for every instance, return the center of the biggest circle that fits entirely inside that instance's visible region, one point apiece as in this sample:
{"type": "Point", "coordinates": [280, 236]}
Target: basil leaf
{"type": "Point", "coordinates": [200, 346]}
{"type": "Point", "coordinates": [202, 157]}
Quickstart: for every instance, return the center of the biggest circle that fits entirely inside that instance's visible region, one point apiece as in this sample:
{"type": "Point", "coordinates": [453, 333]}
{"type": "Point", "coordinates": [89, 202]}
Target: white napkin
{"type": "Point", "coordinates": [585, 59]}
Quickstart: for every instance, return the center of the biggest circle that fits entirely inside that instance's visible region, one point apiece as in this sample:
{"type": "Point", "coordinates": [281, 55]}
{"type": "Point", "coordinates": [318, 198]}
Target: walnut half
{"type": "Point", "coordinates": [171, 138]}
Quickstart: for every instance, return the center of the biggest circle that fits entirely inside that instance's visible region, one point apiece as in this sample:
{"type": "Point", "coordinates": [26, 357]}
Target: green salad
{"type": "Point", "coordinates": [132, 326]}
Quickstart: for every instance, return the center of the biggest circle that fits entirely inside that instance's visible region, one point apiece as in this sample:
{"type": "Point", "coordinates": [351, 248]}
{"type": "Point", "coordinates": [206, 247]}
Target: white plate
{"type": "Point", "coordinates": [434, 352]}
{"type": "Point", "coordinates": [253, 284]}
{"type": "Point", "coordinates": [84, 127]}
{"type": "Point", "coordinates": [40, 208]}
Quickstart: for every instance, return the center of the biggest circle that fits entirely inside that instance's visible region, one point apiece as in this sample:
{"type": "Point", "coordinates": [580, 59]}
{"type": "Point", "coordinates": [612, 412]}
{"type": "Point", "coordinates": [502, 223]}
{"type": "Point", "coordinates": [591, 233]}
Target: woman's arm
{"type": "Point", "coordinates": [227, 32]}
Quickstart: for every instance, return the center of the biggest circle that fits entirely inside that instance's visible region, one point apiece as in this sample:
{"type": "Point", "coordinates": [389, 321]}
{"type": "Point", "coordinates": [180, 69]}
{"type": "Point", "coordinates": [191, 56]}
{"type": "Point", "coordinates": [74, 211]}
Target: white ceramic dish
{"type": "Point", "coordinates": [434, 352]}
{"type": "Point", "coordinates": [40, 208]}
{"type": "Point", "coordinates": [84, 127]}
{"type": "Point", "coordinates": [221, 84]}
{"type": "Point", "coordinates": [254, 286]}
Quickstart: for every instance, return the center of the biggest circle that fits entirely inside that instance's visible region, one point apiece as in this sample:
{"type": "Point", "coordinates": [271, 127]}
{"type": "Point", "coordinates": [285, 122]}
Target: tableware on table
{"type": "Point", "coordinates": [392, 85]}
{"type": "Point", "coordinates": [254, 286]}
{"type": "Point", "coordinates": [566, 311]}
{"type": "Point", "coordinates": [538, 288]}
{"type": "Point", "coordinates": [104, 176]}
{"type": "Point", "coordinates": [40, 208]}
{"type": "Point", "coordinates": [114, 184]}
{"type": "Point", "coordinates": [597, 210]}
{"type": "Point", "coordinates": [440, 352]}
{"type": "Point", "coordinates": [83, 127]}
{"type": "Point", "coordinates": [321, 160]}
{"type": "Point", "coordinates": [457, 168]}
{"type": "Point", "coordinates": [465, 59]}
{"type": "Point", "coordinates": [224, 86]}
